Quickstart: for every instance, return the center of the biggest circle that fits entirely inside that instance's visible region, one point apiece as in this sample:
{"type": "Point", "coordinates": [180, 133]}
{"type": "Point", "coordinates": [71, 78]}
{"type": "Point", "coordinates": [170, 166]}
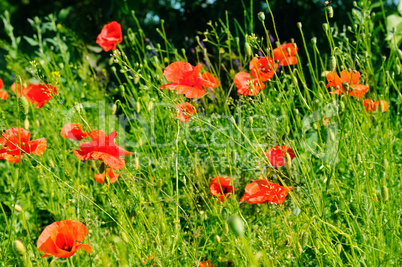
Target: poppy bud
{"type": "Point", "coordinates": [299, 247]}
{"type": "Point", "coordinates": [399, 54]}
{"type": "Point", "coordinates": [325, 27]}
{"type": "Point", "coordinates": [247, 49]}
{"type": "Point", "coordinates": [342, 105]}
{"type": "Point", "coordinates": [150, 106]}
{"type": "Point", "coordinates": [288, 161]}
{"type": "Point", "coordinates": [345, 86]}
{"type": "Point", "coordinates": [18, 208]}
{"type": "Point", "coordinates": [330, 12]}
{"type": "Point", "coordinates": [261, 16]}
{"type": "Point", "coordinates": [382, 106]}
{"type": "Point", "coordinates": [332, 63]}
{"type": "Point", "coordinates": [226, 228]}
{"type": "Point", "coordinates": [217, 238]}
{"type": "Point", "coordinates": [19, 247]}
{"type": "Point", "coordinates": [124, 237]}
{"type": "Point", "coordinates": [114, 109]}
{"type": "Point", "coordinates": [331, 135]}
{"type": "Point", "coordinates": [339, 248]}
{"type": "Point", "coordinates": [359, 158]}
{"type": "Point", "coordinates": [384, 193]}
{"type": "Point", "coordinates": [299, 25]}
{"type": "Point", "coordinates": [137, 105]}
{"type": "Point", "coordinates": [26, 124]}
{"type": "Point", "coordinates": [136, 163]}
{"type": "Point", "coordinates": [237, 225]}
{"type": "Point", "coordinates": [385, 164]}
{"type": "Point", "coordinates": [304, 240]}
{"type": "Point", "coordinates": [398, 69]}
{"type": "Point", "coordinates": [121, 88]}
{"type": "Point", "coordinates": [24, 104]}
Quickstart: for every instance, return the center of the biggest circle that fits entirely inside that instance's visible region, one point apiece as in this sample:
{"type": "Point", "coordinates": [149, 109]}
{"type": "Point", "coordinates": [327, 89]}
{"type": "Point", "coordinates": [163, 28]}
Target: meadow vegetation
{"type": "Point", "coordinates": [340, 203]}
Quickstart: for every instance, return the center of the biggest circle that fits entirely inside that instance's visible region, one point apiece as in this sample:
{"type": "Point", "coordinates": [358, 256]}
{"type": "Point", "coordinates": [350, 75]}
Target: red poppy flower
{"type": "Point", "coordinates": [184, 79]}
{"type": "Point", "coordinates": [150, 260]}
{"type": "Point", "coordinates": [286, 54]}
{"type": "Point", "coordinates": [220, 187]}
{"type": "Point", "coordinates": [110, 35]}
{"type": "Point", "coordinates": [3, 93]}
{"type": "Point", "coordinates": [211, 78]}
{"type": "Point", "coordinates": [371, 105]}
{"type": "Point", "coordinates": [9, 145]}
{"type": "Point", "coordinates": [62, 239]}
{"type": "Point", "coordinates": [276, 155]}
{"type": "Point", "coordinates": [100, 178]}
{"type": "Point", "coordinates": [73, 131]}
{"type": "Point", "coordinates": [262, 191]}
{"type": "Point", "coordinates": [103, 148]}
{"type": "Point", "coordinates": [263, 68]}
{"type": "Point", "coordinates": [185, 111]}
{"type": "Point", "coordinates": [38, 94]}
{"type": "Point", "coordinates": [206, 264]}
{"type": "Point", "coordinates": [247, 86]}
{"type": "Point", "coordinates": [351, 78]}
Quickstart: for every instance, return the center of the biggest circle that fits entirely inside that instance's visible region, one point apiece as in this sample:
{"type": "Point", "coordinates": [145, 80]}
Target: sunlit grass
{"type": "Point", "coordinates": [344, 208]}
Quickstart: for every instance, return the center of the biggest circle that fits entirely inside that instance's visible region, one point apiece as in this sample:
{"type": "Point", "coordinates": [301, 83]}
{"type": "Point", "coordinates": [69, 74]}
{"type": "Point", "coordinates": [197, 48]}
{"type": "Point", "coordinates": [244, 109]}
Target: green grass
{"type": "Point", "coordinates": [161, 206]}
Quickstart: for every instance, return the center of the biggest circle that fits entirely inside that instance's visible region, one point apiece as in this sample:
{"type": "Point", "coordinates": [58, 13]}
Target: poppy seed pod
{"type": "Point", "coordinates": [237, 225]}
{"type": "Point", "coordinates": [261, 16]}
{"type": "Point", "coordinates": [19, 247]}
{"type": "Point", "coordinates": [299, 25]}
{"type": "Point", "coordinates": [345, 86]}
{"type": "Point", "coordinates": [24, 104]}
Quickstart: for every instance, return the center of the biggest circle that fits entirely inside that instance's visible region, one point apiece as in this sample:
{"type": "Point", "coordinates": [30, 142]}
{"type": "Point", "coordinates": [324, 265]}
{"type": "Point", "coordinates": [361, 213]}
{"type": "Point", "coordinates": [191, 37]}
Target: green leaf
{"type": "Point", "coordinates": [31, 41]}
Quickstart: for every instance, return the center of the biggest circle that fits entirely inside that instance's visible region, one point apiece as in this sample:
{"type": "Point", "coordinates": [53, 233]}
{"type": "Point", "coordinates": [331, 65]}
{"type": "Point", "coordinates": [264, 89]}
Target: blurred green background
{"type": "Point", "coordinates": [183, 20]}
